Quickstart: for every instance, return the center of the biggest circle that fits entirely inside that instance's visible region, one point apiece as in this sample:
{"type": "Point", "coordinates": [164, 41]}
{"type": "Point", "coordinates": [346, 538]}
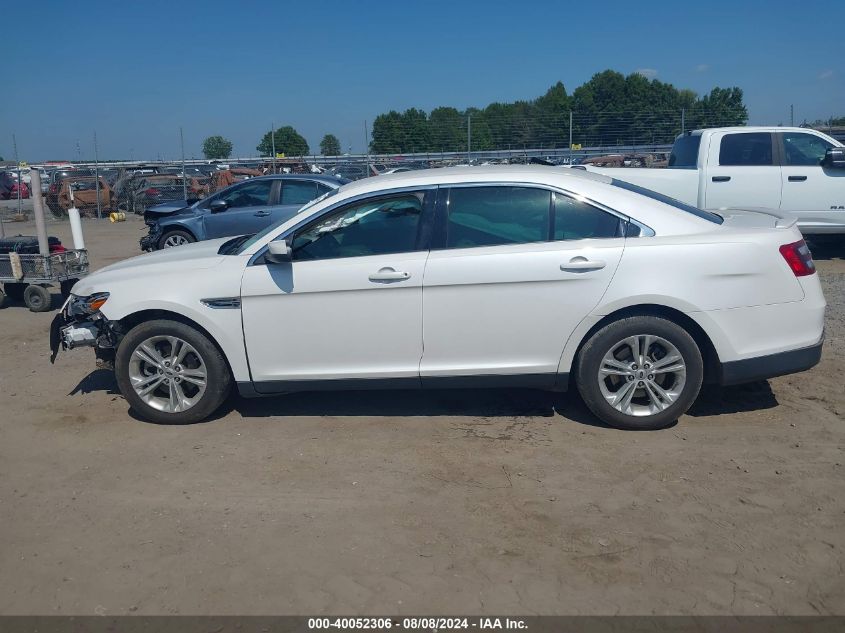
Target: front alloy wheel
{"type": "Point", "coordinates": [171, 373]}
{"type": "Point", "coordinates": [168, 373]}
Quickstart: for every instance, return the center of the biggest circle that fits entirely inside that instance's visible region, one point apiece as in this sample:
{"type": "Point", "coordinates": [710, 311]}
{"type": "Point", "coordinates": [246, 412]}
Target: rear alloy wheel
{"type": "Point", "coordinates": [640, 372]}
{"type": "Point", "coordinates": [171, 239]}
{"type": "Point", "coordinates": [171, 373]}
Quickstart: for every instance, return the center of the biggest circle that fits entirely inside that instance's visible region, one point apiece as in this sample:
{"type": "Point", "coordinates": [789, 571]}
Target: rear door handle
{"type": "Point", "coordinates": [721, 178]}
{"type": "Point", "coordinates": [797, 178]}
{"type": "Point", "coordinates": [261, 214]}
{"type": "Point", "coordinates": [389, 274]}
{"type": "Point", "coordinates": [582, 264]}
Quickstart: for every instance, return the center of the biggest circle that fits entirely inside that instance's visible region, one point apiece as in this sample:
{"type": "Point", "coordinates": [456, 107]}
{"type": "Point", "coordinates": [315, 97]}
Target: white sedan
{"type": "Point", "coordinates": [475, 277]}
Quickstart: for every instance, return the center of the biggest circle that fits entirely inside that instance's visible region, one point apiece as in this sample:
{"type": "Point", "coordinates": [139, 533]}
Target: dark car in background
{"type": "Point", "coordinates": [245, 207]}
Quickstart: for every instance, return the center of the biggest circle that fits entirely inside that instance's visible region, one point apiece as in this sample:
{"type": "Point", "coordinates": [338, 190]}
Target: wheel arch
{"type": "Point", "coordinates": [708, 350]}
{"type": "Point", "coordinates": [133, 319]}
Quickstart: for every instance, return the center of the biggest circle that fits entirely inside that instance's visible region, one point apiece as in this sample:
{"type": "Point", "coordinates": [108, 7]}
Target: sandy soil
{"type": "Point", "coordinates": [402, 502]}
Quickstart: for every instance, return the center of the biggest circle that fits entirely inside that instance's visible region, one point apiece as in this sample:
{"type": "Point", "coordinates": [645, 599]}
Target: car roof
{"type": "Point", "coordinates": [317, 177]}
{"type": "Point", "coordinates": [536, 174]}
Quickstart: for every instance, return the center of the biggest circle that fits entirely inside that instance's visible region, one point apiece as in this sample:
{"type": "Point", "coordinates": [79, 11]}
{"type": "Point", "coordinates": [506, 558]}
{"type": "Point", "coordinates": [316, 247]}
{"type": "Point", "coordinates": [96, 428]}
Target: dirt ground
{"type": "Point", "coordinates": [473, 502]}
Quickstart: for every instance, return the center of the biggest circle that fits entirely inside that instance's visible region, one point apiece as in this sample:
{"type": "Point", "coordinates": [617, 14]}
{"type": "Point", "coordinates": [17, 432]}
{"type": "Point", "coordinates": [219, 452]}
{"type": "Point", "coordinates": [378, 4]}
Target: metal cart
{"type": "Point", "coordinates": [27, 277]}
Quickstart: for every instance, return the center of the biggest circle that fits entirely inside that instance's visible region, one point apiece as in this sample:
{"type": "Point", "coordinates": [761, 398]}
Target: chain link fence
{"type": "Point", "coordinates": [394, 142]}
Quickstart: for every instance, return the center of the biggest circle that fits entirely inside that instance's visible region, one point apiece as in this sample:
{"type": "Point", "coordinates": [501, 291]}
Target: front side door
{"type": "Point", "coordinates": [248, 209]}
{"type": "Point", "coordinates": [742, 171]}
{"type": "Point", "coordinates": [812, 193]}
{"type": "Point", "coordinates": [512, 272]}
{"type": "Point", "coordinates": [348, 307]}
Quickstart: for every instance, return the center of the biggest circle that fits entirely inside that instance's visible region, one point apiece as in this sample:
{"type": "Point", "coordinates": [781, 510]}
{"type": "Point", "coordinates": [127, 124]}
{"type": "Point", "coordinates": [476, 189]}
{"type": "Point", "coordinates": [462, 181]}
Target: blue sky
{"type": "Point", "coordinates": [137, 71]}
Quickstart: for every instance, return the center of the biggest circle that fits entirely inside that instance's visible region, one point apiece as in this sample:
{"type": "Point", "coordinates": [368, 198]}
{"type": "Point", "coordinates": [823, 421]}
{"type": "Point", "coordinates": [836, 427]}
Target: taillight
{"type": "Point", "coordinates": [799, 258]}
{"type": "Point", "coordinates": [53, 188]}
{"type": "Point", "coordinates": [152, 191]}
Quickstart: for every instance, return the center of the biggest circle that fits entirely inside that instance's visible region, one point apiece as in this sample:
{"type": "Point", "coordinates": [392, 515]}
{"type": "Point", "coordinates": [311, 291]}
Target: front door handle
{"type": "Point", "coordinates": [721, 178]}
{"type": "Point", "coordinates": [261, 214]}
{"type": "Point", "coordinates": [582, 264]}
{"type": "Point", "coordinates": [797, 178]}
{"type": "Point", "coordinates": [389, 274]}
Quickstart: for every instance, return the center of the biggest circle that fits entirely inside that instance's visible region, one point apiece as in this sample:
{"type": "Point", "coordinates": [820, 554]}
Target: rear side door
{"type": "Point", "coordinates": [248, 209]}
{"type": "Point", "coordinates": [742, 171]}
{"type": "Point", "coordinates": [515, 269]}
{"type": "Point", "coordinates": [812, 193]}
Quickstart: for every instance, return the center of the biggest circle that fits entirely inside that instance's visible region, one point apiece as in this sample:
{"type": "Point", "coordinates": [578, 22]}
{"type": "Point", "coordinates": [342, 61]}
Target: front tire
{"type": "Point", "coordinates": [174, 238]}
{"type": "Point", "coordinates": [171, 373]}
{"type": "Point", "coordinates": [639, 373]}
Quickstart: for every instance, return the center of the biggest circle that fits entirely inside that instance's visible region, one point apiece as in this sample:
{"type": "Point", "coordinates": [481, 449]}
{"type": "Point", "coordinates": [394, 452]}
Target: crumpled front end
{"type": "Point", "coordinates": [150, 241]}
{"type": "Point", "coordinates": [81, 324]}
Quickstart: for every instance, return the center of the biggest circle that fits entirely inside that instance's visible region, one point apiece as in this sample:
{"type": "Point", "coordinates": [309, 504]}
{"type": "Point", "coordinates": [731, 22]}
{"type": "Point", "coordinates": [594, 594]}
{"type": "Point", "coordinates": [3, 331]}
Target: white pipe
{"type": "Point", "coordinates": [76, 228]}
{"type": "Point", "coordinates": [38, 210]}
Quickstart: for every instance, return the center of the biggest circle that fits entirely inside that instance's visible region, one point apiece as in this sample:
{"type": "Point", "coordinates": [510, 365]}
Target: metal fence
{"type": "Point", "coordinates": [410, 140]}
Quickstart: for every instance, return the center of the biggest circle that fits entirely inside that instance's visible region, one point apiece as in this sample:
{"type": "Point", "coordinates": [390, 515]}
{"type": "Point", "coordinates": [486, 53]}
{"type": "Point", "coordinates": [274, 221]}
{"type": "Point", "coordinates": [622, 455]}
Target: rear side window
{"type": "Point", "coordinates": [491, 216]}
{"type": "Point", "coordinates": [746, 149]}
{"type": "Point", "coordinates": [681, 206]}
{"type": "Point", "coordinates": [685, 152]}
{"type": "Point", "coordinates": [298, 191]}
{"type": "Point", "coordinates": [576, 220]}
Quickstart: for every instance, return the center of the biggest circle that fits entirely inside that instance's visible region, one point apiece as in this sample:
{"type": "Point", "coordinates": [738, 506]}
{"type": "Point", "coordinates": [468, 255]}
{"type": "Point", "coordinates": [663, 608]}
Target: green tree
{"type": "Point", "coordinates": [216, 147]}
{"type": "Point", "coordinates": [330, 145]}
{"type": "Point", "coordinates": [287, 141]}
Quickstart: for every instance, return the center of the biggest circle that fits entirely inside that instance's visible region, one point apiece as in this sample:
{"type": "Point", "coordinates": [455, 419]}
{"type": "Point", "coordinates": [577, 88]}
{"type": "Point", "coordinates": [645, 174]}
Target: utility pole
{"type": "Point", "coordinates": [791, 115]}
{"type": "Point", "coordinates": [20, 181]}
{"type": "Point", "coordinates": [97, 176]}
{"type": "Point", "coordinates": [570, 138]}
{"type": "Point", "coordinates": [367, 145]}
{"type": "Point", "coordinates": [184, 182]}
{"type": "Point", "coordinates": [273, 144]}
{"type": "Point", "coordinates": [683, 120]}
{"type": "Point", "coordinates": [469, 139]}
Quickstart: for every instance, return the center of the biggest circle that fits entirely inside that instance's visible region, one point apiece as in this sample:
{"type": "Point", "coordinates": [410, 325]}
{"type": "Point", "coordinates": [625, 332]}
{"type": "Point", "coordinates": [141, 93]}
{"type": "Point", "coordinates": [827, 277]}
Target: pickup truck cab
{"type": "Point", "coordinates": [799, 171]}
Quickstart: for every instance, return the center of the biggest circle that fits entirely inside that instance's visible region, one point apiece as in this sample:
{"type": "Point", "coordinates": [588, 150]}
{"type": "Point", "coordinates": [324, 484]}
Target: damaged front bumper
{"type": "Point", "coordinates": [78, 325]}
{"type": "Point", "coordinates": [150, 241]}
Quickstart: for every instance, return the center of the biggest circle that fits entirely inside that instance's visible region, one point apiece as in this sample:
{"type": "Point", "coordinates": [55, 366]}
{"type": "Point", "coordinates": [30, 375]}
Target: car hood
{"type": "Point", "coordinates": [197, 256]}
{"type": "Point", "coordinates": [170, 207]}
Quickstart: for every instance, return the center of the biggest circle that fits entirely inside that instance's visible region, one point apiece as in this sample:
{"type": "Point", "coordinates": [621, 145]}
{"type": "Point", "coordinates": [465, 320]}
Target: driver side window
{"type": "Point", "coordinates": [249, 194]}
{"type": "Point", "coordinates": [804, 149]}
{"type": "Point", "coordinates": [372, 227]}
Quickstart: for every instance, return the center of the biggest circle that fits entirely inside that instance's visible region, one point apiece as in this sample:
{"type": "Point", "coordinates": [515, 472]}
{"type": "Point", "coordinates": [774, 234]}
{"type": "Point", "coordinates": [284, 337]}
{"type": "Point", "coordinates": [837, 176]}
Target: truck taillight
{"type": "Point", "coordinates": [798, 256]}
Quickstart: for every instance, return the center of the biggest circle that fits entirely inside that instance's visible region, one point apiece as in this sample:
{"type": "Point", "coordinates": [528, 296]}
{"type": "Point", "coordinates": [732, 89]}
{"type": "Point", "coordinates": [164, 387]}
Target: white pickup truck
{"type": "Point", "coordinates": [798, 171]}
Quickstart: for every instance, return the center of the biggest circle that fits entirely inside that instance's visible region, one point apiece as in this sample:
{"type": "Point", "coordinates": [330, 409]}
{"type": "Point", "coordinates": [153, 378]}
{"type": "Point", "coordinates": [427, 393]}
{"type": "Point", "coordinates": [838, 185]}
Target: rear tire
{"type": "Point", "coordinates": [37, 299]}
{"type": "Point", "coordinates": [646, 388]}
{"type": "Point", "coordinates": [174, 238]}
{"type": "Point", "coordinates": [171, 373]}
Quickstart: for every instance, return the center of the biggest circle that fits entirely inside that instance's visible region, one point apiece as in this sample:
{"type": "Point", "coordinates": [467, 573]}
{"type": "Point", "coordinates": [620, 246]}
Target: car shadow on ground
{"type": "Point", "coordinates": [477, 403]}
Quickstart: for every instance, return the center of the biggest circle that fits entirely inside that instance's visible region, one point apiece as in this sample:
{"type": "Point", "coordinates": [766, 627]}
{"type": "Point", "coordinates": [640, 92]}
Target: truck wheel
{"type": "Point", "coordinates": [14, 291]}
{"type": "Point", "coordinates": [37, 298]}
{"type": "Point", "coordinates": [174, 238]}
{"type": "Point", "coordinates": [639, 373]}
{"type": "Point", "coordinates": [171, 373]}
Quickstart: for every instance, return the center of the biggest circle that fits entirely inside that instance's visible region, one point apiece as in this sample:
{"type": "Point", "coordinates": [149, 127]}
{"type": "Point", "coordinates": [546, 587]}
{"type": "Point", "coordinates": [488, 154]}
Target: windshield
{"type": "Point", "coordinates": [261, 234]}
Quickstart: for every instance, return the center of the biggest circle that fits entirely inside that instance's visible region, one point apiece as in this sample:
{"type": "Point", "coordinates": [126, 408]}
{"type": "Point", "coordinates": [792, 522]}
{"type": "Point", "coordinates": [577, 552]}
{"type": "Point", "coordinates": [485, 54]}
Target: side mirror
{"type": "Point", "coordinates": [218, 205]}
{"type": "Point", "coordinates": [835, 158]}
{"type": "Point", "coordinates": [278, 252]}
